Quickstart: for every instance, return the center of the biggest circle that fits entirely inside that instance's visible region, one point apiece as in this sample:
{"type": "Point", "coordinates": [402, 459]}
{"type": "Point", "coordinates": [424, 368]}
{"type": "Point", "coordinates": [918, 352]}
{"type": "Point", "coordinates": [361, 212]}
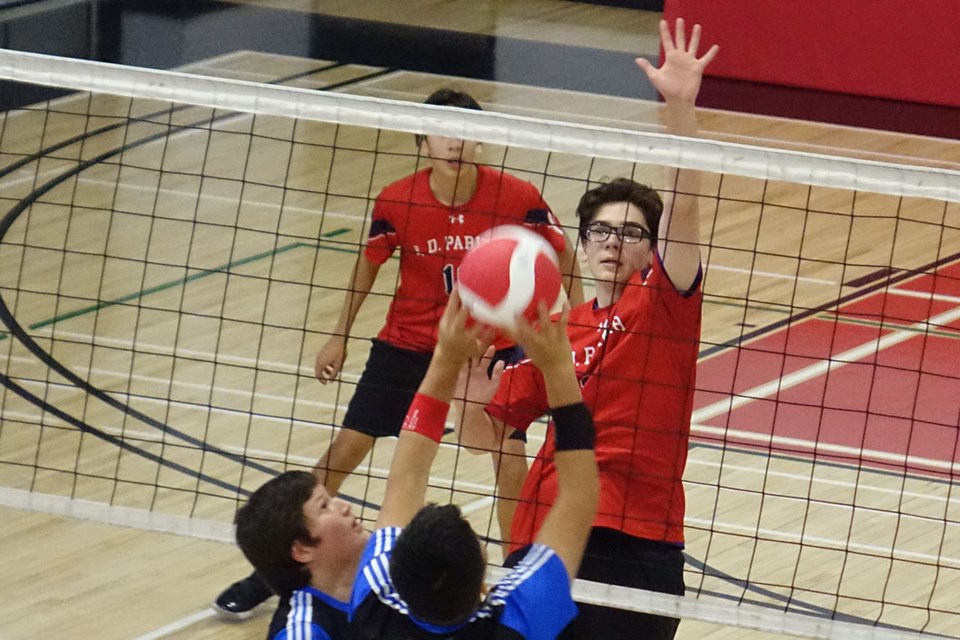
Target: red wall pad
{"type": "Point", "coordinates": [882, 48]}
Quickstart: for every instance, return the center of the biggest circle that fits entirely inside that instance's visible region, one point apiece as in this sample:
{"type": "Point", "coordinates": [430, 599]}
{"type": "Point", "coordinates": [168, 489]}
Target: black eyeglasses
{"type": "Point", "coordinates": [626, 233]}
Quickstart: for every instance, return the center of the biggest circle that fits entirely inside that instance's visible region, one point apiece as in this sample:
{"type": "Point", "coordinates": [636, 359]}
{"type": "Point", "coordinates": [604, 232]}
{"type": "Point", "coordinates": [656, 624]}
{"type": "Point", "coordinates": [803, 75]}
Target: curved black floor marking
{"type": "Point", "coordinates": [106, 437]}
{"type": "Point", "coordinates": [796, 606]}
{"type": "Point", "coordinates": [17, 331]}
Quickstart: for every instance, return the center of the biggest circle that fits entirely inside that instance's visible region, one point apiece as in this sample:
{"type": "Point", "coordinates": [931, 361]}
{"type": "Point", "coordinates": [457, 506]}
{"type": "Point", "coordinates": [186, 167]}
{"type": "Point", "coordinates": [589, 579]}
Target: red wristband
{"type": "Point", "coordinates": [427, 416]}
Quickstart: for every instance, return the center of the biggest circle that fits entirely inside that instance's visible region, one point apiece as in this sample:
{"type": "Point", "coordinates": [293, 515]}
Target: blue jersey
{"type": "Point", "coordinates": [309, 614]}
{"type": "Point", "coordinates": [532, 602]}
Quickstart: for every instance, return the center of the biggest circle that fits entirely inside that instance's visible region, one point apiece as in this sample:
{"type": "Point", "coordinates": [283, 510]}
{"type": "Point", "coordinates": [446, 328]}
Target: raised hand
{"type": "Point", "coordinates": [456, 342]}
{"type": "Point", "coordinates": [678, 79]}
{"type": "Point", "coordinates": [474, 385]}
{"type": "Point", "coordinates": [547, 344]}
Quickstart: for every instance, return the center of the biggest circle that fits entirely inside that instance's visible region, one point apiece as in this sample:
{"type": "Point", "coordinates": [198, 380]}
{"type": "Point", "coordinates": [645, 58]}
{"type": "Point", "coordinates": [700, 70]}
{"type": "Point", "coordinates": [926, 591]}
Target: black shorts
{"type": "Point", "coordinates": [386, 388]}
{"type": "Point", "coordinates": [389, 381]}
{"type": "Point", "coordinates": [613, 557]}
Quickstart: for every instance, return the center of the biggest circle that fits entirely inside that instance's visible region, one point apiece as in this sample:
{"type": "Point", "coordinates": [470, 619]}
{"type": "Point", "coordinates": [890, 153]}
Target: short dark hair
{"type": "Point", "coordinates": [269, 524]}
{"type": "Point", "coordinates": [447, 97]}
{"type": "Point", "coordinates": [622, 190]}
{"type": "Point", "coordinates": [437, 566]}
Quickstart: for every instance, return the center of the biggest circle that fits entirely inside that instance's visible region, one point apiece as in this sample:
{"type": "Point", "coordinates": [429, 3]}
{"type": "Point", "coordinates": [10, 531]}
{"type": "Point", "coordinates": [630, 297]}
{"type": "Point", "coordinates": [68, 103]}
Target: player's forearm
{"type": "Point", "coordinates": [361, 281]}
{"type": "Point", "coordinates": [578, 487]}
{"type": "Point", "coordinates": [568, 523]}
{"type": "Point", "coordinates": [440, 380]}
{"type": "Point", "coordinates": [575, 461]}
{"type": "Point", "coordinates": [560, 381]}
{"type": "Point", "coordinates": [680, 223]}
{"type": "Point", "coordinates": [419, 440]}
{"type": "Point", "coordinates": [408, 479]}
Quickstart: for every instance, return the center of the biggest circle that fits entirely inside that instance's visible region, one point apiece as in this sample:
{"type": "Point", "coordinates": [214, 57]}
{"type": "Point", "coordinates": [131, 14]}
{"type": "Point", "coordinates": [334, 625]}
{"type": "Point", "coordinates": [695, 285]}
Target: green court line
{"type": "Point", "coordinates": [224, 268]}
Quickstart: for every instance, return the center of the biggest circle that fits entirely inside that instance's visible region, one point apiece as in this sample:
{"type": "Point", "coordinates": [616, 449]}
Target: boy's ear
{"type": "Point", "coordinates": [301, 552]}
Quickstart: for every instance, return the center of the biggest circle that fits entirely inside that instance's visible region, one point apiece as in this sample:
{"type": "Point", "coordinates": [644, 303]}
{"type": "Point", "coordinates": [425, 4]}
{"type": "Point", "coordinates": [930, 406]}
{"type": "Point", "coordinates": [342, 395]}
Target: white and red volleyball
{"type": "Point", "coordinates": [506, 274]}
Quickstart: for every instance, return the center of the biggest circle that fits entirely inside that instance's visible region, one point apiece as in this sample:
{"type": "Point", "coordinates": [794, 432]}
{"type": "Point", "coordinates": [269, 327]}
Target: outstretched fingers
{"type": "Point", "coordinates": [694, 40]}
{"type": "Point", "coordinates": [666, 38]}
{"type": "Point", "coordinates": [711, 53]}
{"type": "Point", "coordinates": [680, 35]}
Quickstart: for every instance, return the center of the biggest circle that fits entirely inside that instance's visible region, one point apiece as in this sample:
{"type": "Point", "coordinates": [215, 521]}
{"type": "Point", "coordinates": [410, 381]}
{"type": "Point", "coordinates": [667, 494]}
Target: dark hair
{"type": "Point", "coordinates": [447, 97]}
{"type": "Point", "coordinates": [269, 524]}
{"type": "Point", "coordinates": [437, 566]}
{"type": "Point", "coordinates": [622, 190]}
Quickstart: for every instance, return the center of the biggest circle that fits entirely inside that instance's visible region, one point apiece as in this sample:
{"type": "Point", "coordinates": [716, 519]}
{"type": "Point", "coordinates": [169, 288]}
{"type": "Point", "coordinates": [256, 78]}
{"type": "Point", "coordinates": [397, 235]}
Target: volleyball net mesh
{"type": "Point", "coordinates": [174, 249]}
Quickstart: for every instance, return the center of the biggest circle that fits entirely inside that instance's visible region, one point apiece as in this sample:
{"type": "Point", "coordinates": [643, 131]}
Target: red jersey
{"type": "Point", "coordinates": [636, 362]}
{"type": "Point", "coordinates": [433, 238]}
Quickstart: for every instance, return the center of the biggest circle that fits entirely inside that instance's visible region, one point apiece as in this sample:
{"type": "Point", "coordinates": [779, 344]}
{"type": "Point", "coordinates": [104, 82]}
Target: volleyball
{"type": "Point", "coordinates": [506, 274]}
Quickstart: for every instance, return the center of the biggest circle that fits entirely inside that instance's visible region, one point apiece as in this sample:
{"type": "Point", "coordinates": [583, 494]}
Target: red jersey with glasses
{"type": "Point", "coordinates": [636, 362]}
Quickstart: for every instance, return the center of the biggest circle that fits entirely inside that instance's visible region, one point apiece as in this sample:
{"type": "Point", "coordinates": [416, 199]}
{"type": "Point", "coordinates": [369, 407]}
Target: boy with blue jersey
{"type": "Point", "coordinates": [422, 572]}
{"type": "Point", "coordinates": [306, 546]}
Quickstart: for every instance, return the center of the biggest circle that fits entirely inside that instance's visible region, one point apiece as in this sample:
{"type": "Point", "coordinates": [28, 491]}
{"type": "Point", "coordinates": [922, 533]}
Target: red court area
{"type": "Point", "coordinates": [874, 382]}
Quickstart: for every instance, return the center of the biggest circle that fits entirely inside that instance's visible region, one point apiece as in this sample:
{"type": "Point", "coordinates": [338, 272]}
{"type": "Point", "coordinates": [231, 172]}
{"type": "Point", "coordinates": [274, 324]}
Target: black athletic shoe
{"type": "Point", "coordinates": [238, 601]}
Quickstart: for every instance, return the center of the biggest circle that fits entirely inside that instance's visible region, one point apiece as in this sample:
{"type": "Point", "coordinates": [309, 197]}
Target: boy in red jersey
{"type": "Point", "coordinates": [635, 351]}
{"type": "Point", "coordinates": [433, 217]}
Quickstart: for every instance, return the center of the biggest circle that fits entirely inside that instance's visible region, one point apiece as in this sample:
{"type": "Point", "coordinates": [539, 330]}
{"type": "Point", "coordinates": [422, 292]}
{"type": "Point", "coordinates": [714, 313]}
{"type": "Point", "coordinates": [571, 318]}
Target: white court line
{"type": "Point", "coordinates": [923, 295]}
{"type": "Point", "coordinates": [118, 185]}
{"type": "Point", "coordinates": [178, 625]}
{"type": "Point", "coordinates": [723, 434]}
{"type": "Point", "coordinates": [822, 368]}
{"type": "Point", "coordinates": [952, 498]}
{"type": "Point", "coordinates": [147, 348]}
{"type": "Point", "coordinates": [769, 274]}
{"type": "Point", "coordinates": [114, 515]}
{"type": "Point", "coordinates": [41, 418]}
{"type": "Point", "coordinates": [891, 551]}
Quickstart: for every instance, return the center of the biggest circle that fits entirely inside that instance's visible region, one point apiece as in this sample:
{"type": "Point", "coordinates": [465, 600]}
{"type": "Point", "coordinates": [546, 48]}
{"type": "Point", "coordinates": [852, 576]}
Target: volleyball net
{"type": "Point", "coordinates": [174, 248]}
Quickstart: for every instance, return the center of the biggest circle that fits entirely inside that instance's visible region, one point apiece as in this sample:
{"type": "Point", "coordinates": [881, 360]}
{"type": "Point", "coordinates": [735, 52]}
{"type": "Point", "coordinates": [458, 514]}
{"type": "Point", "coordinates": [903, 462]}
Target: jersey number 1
{"type": "Point", "coordinates": [449, 274]}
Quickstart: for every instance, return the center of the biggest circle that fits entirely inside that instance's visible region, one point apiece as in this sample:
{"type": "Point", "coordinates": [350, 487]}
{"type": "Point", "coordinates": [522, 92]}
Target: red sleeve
{"type": "Point", "coordinates": [678, 306]}
{"type": "Point", "coordinates": [540, 218]}
{"type": "Point", "coordinates": [382, 238]}
{"type": "Point", "coordinates": [521, 397]}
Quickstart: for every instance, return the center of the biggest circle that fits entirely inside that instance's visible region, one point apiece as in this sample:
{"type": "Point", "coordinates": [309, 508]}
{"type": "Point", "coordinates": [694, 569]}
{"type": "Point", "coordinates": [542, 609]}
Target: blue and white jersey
{"type": "Point", "coordinates": [532, 602]}
{"type": "Point", "coordinates": [309, 614]}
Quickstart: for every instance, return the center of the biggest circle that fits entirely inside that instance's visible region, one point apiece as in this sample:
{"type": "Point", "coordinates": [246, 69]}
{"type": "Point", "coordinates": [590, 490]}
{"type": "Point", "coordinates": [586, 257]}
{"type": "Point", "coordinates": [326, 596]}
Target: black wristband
{"type": "Point", "coordinates": [574, 427]}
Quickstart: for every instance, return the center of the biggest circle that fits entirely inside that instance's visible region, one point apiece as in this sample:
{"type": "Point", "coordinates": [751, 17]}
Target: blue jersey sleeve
{"type": "Point", "coordinates": [374, 566]}
{"type": "Point", "coordinates": [536, 596]}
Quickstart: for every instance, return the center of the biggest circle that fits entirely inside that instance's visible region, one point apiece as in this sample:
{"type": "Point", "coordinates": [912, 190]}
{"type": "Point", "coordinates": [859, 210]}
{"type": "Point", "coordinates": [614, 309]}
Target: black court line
{"type": "Point", "coordinates": [17, 331]}
{"type": "Point", "coordinates": [790, 605]}
{"type": "Point", "coordinates": [43, 405]}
